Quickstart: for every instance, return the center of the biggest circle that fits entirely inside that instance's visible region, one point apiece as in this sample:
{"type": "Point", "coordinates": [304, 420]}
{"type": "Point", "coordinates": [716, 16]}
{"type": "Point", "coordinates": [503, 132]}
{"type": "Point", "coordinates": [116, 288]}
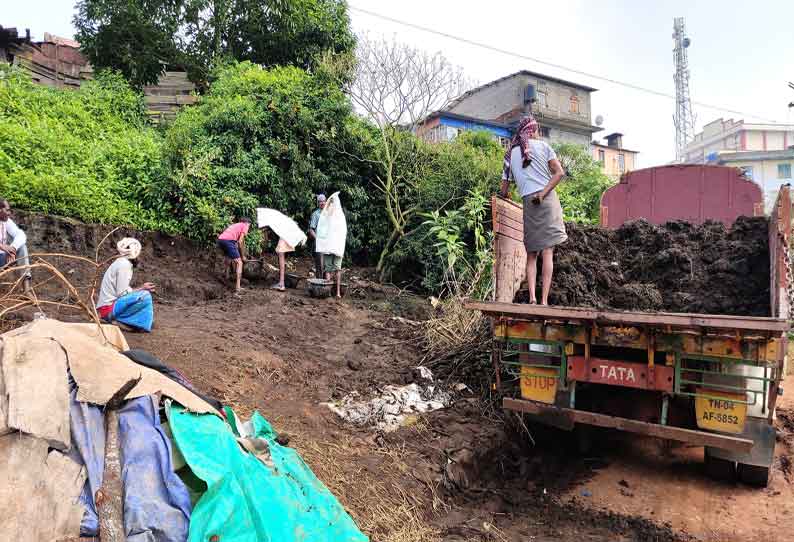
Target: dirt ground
{"type": "Point", "coordinates": [465, 473]}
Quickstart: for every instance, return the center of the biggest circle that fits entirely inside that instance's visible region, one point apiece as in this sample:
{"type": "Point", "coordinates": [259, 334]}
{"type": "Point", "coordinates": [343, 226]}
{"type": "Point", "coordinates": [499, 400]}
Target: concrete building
{"type": "Point", "coordinates": [769, 169]}
{"type": "Point", "coordinates": [729, 135]}
{"type": "Point", "coordinates": [445, 126]}
{"type": "Point", "coordinates": [562, 109]}
{"type": "Point", "coordinates": [614, 158]}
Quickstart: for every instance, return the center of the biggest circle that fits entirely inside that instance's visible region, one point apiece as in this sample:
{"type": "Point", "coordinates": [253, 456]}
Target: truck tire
{"type": "Point", "coordinates": [584, 435]}
{"type": "Point", "coordinates": [718, 468]}
{"type": "Point", "coordinates": [753, 475]}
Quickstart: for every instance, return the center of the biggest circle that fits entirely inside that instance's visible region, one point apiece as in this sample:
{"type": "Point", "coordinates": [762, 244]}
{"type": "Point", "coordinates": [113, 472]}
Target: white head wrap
{"type": "Point", "coordinates": [129, 248]}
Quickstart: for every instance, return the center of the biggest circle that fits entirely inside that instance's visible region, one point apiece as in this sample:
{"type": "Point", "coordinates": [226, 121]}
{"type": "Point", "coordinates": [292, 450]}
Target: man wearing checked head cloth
{"type": "Point", "coordinates": [118, 301]}
{"type": "Point", "coordinates": [537, 172]}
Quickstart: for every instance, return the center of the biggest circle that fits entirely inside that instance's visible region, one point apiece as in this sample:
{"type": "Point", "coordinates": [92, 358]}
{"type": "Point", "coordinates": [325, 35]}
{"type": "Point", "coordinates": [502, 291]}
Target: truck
{"type": "Point", "coordinates": [707, 380]}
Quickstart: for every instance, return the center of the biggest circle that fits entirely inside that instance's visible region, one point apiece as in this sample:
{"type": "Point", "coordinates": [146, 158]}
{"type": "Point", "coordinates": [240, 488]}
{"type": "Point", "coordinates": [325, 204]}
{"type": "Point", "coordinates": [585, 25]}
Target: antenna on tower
{"type": "Point", "coordinates": [684, 119]}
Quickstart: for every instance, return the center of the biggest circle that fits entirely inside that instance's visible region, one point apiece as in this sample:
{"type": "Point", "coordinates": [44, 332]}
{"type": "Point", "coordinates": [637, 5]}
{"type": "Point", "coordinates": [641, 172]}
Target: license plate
{"type": "Point", "coordinates": [539, 383]}
{"type": "Point", "coordinates": [720, 411]}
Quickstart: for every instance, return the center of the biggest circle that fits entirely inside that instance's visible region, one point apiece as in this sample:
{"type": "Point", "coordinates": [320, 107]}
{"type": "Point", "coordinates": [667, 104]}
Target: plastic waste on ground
{"type": "Point", "coordinates": [332, 228]}
{"type": "Point", "coordinates": [257, 490]}
{"type": "Point", "coordinates": [394, 405]}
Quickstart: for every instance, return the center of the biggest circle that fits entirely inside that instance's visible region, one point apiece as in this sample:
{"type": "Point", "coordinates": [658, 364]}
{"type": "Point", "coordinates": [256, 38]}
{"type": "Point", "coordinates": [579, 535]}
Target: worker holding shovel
{"type": "Point", "coordinates": [232, 242]}
{"type": "Point", "coordinates": [537, 172]}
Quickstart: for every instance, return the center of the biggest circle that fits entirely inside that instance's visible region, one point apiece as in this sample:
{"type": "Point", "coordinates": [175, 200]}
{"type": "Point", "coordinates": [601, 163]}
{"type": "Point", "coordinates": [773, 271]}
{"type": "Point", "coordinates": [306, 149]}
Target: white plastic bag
{"type": "Point", "coordinates": [332, 228]}
{"type": "Point", "coordinates": [282, 225]}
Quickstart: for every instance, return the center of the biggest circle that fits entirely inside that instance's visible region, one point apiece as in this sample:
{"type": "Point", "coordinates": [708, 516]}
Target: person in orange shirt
{"type": "Point", "coordinates": [232, 242]}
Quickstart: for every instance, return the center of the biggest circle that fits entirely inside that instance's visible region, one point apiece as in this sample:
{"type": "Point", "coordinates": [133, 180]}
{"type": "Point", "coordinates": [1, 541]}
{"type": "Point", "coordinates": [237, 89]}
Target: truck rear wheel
{"type": "Point", "coordinates": [718, 468]}
{"type": "Point", "coordinates": [753, 475]}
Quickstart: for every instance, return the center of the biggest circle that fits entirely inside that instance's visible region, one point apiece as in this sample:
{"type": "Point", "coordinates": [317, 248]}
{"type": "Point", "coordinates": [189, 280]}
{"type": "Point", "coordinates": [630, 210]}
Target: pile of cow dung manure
{"type": "Point", "coordinates": [675, 267]}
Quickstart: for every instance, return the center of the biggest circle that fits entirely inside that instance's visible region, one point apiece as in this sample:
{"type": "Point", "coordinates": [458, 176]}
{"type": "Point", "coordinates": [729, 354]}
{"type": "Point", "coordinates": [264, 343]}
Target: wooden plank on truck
{"type": "Point", "coordinates": [679, 320]}
{"type": "Point", "coordinates": [691, 436]}
{"type": "Point", "coordinates": [510, 256]}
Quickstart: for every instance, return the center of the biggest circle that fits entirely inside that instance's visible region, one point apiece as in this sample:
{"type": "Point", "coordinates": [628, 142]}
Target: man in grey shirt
{"type": "Point", "coordinates": [536, 170]}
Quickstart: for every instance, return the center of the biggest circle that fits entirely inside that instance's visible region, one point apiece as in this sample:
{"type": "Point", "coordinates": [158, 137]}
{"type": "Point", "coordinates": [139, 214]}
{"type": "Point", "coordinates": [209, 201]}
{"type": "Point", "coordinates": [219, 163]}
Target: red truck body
{"type": "Point", "coordinates": [686, 192]}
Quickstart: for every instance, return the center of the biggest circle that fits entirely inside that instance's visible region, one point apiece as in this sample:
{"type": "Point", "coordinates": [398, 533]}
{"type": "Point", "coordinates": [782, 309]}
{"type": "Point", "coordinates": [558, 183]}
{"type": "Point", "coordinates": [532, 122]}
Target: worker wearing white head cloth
{"type": "Point", "coordinates": [118, 301]}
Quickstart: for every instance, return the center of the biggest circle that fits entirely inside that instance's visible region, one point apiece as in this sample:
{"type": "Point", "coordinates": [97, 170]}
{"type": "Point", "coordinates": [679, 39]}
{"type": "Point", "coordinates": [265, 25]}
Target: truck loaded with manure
{"type": "Point", "coordinates": [668, 320]}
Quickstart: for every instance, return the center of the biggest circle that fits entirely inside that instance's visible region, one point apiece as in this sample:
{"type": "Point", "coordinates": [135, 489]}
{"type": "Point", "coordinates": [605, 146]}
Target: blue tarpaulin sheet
{"type": "Point", "coordinates": [156, 501]}
{"type": "Point", "coordinates": [88, 448]}
{"type": "Point", "coordinates": [272, 496]}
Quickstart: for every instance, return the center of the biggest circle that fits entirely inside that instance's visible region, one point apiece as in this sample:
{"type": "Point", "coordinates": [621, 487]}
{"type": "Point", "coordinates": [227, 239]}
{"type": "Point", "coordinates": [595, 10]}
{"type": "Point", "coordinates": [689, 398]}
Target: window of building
{"type": "Point", "coordinates": [601, 156]}
{"type": "Point", "coordinates": [542, 100]}
{"type": "Point", "coordinates": [504, 141]}
{"type": "Point", "coordinates": [747, 171]}
{"type": "Point", "coordinates": [621, 162]}
{"type": "Point", "coordinates": [574, 104]}
{"type": "Point", "coordinates": [784, 171]}
{"type": "Point", "coordinates": [545, 132]}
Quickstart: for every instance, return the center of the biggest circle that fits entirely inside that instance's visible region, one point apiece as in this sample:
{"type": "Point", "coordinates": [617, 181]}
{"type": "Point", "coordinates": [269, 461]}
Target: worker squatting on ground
{"type": "Point", "coordinates": [232, 243]}
{"type": "Point", "coordinates": [13, 243]}
{"type": "Point", "coordinates": [536, 171]}
{"type": "Point", "coordinates": [319, 267]}
{"type": "Point", "coordinates": [118, 302]}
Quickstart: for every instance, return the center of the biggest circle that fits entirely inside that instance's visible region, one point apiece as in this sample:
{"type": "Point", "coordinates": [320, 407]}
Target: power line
{"type": "Point", "coordinates": [551, 64]}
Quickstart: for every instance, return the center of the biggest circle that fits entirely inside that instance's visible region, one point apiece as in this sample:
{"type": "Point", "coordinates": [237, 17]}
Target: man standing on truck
{"type": "Point", "coordinates": [537, 172]}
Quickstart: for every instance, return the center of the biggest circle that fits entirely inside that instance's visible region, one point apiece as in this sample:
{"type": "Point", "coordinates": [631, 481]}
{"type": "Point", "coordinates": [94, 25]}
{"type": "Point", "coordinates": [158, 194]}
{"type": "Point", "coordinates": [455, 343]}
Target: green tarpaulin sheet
{"type": "Point", "coordinates": [269, 495]}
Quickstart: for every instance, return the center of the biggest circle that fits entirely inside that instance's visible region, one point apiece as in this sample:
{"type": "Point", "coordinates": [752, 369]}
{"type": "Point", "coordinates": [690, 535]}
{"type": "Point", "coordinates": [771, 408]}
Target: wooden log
{"type": "Point", "coordinates": [108, 498]}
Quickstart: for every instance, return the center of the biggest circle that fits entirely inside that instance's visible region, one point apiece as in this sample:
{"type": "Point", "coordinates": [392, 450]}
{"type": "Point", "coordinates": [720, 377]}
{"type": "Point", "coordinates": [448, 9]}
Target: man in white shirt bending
{"type": "Point", "coordinates": [13, 243]}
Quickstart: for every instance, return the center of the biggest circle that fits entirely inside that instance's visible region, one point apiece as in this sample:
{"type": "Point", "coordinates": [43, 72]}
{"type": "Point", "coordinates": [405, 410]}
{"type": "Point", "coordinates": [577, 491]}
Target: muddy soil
{"type": "Point", "coordinates": [675, 267]}
{"type": "Point", "coordinates": [465, 473]}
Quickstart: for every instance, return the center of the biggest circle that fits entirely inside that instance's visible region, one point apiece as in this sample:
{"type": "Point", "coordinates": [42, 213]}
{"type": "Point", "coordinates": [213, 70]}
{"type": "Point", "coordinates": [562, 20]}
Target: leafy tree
{"type": "Point", "coordinates": [396, 86]}
{"type": "Point", "coordinates": [580, 191]}
{"type": "Point", "coordinates": [135, 37]}
{"type": "Point", "coordinates": [140, 37]}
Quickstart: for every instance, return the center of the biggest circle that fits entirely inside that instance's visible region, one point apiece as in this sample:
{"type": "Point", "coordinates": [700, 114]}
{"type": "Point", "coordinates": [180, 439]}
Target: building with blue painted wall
{"type": "Point", "coordinates": [562, 108]}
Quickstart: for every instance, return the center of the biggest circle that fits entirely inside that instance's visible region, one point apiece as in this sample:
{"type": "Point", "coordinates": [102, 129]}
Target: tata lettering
{"type": "Point", "coordinates": [621, 374]}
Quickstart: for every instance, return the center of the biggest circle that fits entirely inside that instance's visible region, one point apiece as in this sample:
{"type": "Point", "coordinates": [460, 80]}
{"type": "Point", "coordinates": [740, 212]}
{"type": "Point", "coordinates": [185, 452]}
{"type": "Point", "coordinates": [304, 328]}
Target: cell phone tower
{"type": "Point", "coordinates": [684, 119]}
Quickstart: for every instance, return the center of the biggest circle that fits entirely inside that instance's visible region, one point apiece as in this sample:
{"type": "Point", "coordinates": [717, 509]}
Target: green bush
{"type": "Point", "coordinates": [82, 153]}
{"type": "Point", "coordinates": [264, 137]}
{"type": "Point", "coordinates": [453, 191]}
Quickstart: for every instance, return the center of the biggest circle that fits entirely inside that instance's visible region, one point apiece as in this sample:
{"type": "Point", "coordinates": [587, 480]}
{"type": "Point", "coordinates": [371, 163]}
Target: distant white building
{"type": "Point", "coordinates": [737, 136]}
{"type": "Point", "coordinates": [769, 169]}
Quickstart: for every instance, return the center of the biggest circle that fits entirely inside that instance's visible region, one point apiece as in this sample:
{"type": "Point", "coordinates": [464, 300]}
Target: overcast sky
{"type": "Point", "coordinates": [741, 57]}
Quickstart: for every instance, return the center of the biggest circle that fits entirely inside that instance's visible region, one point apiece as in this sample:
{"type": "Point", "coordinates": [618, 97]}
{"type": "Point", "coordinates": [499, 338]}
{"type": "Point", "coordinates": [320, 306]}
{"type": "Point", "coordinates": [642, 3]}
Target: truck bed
{"type": "Point", "coordinates": [700, 322]}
